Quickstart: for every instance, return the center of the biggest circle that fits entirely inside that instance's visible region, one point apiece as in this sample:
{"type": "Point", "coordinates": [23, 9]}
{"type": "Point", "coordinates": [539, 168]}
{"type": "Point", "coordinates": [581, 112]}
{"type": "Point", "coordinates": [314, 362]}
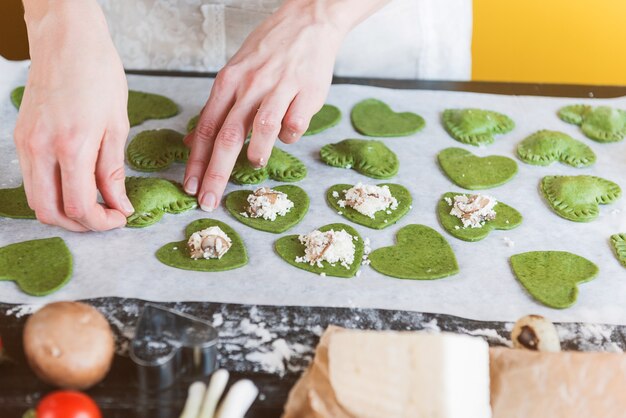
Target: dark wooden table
{"type": "Point", "coordinates": [120, 395]}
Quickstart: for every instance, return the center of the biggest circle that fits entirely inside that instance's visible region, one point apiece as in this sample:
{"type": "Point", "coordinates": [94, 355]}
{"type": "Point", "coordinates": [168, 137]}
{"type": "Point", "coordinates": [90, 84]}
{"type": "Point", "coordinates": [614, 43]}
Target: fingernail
{"type": "Point", "coordinates": [208, 202]}
{"type": "Point", "coordinates": [191, 186]}
{"type": "Point", "coordinates": [260, 164]}
{"type": "Point", "coordinates": [127, 206]}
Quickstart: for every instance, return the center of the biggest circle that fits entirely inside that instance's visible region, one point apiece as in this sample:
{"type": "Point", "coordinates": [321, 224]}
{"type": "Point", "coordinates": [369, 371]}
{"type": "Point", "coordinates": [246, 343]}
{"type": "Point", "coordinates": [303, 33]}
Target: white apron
{"type": "Point", "coordinates": [407, 39]}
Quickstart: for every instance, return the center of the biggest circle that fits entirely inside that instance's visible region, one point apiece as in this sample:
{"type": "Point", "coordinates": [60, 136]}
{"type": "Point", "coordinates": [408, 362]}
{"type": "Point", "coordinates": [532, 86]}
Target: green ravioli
{"type": "Point", "coordinates": [39, 267]}
{"type": "Point", "coordinates": [476, 126]}
{"type": "Point", "coordinates": [475, 173]}
{"type": "Point", "coordinates": [176, 254]}
{"type": "Point", "coordinates": [152, 197]}
{"type": "Point", "coordinates": [326, 118]}
{"type": "Point", "coordinates": [236, 203]}
{"type": "Point", "coordinates": [420, 253]}
{"type": "Point", "coordinates": [506, 218]}
{"type": "Point", "coordinates": [381, 219]}
{"type": "Point", "coordinates": [551, 277]}
{"type": "Point", "coordinates": [13, 204]}
{"type": "Point", "coordinates": [545, 147]}
{"type": "Point", "coordinates": [618, 241]}
{"type": "Point", "coordinates": [576, 198]}
{"type": "Point", "coordinates": [156, 150]}
{"type": "Point", "coordinates": [369, 157]}
{"type": "Point", "coordinates": [280, 167]}
{"type": "Point", "coordinates": [601, 123]}
{"type": "Point", "coordinates": [289, 247]}
{"type": "Point", "coordinates": [192, 123]}
{"type": "Point", "coordinates": [141, 106]}
{"type": "Point", "coordinates": [372, 117]}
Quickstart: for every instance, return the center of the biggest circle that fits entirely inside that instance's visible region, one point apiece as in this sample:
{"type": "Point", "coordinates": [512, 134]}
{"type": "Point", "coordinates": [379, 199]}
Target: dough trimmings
{"type": "Point", "coordinates": [156, 150]}
{"type": "Point", "coordinates": [545, 147]}
{"type": "Point", "coordinates": [369, 157]}
{"type": "Point", "coordinates": [373, 117]}
{"type": "Point", "coordinates": [476, 173]}
{"type": "Point", "coordinates": [601, 123]}
{"type": "Point", "coordinates": [476, 126]}
{"type": "Point", "coordinates": [281, 166]}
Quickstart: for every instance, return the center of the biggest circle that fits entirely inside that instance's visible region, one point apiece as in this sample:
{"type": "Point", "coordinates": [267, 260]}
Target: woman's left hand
{"type": "Point", "coordinates": [273, 86]}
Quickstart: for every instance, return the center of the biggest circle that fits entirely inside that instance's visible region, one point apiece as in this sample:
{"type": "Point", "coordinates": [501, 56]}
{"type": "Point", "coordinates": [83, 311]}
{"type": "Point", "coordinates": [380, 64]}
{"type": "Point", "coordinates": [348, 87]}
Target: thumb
{"type": "Point", "coordinates": [110, 176]}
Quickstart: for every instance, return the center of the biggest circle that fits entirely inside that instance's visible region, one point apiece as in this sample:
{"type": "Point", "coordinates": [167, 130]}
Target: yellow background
{"type": "Point", "coordinates": [546, 41]}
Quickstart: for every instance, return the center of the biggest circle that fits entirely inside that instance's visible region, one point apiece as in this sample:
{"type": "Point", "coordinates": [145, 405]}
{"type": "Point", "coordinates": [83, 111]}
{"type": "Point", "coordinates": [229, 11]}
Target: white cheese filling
{"type": "Point", "coordinates": [330, 246]}
{"type": "Point", "coordinates": [369, 199]}
{"type": "Point", "coordinates": [208, 243]}
{"type": "Point", "coordinates": [267, 204]}
{"type": "Point", "coordinates": [473, 210]}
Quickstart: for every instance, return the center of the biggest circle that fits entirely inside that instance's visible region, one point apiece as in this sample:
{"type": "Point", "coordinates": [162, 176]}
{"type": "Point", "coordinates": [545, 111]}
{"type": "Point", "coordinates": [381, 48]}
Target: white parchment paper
{"type": "Point", "coordinates": [122, 263]}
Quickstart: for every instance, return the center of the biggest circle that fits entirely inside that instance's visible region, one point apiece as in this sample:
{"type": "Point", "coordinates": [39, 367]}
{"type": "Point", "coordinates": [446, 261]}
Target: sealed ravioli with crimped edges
{"type": "Point", "coordinates": [176, 254]}
{"type": "Point", "coordinates": [156, 150]}
{"type": "Point", "coordinates": [420, 253]}
{"type": "Point", "coordinates": [506, 218]}
{"type": "Point", "coordinates": [39, 267]}
{"type": "Point", "coordinates": [552, 277]}
{"type": "Point", "coordinates": [545, 147]}
{"type": "Point", "coordinates": [476, 126]}
{"type": "Point", "coordinates": [601, 123]}
{"type": "Point", "coordinates": [236, 203]}
{"type": "Point", "coordinates": [369, 157]}
{"type": "Point", "coordinates": [618, 242]}
{"type": "Point", "coordinates": [373, 117]}
{"type": "Point", "coordinates": [382, 219]}
{"type": "Point", "coordinates": [576, 198]}
{"type": "Point", "coordinates": [13, 204]}
{"type": "Point", "coordinates": [153, 197]}
{"type": "Point", "coordinates": [289, 248]}
{"type": "Point", "coordinates": [281, 166]}
{"type": "Point", "coordinates": [476, 173]}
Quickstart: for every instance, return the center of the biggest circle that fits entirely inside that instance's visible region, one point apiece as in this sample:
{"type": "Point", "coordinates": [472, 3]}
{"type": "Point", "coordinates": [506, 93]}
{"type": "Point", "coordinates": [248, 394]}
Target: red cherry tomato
{"type": "Point", "coordinates": [67, 404]}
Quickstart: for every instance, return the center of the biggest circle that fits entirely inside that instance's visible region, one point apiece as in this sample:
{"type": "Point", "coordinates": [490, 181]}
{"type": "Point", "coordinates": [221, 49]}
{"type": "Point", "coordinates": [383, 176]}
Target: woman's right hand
{"type": "Point", "coordinates": [73, 124]}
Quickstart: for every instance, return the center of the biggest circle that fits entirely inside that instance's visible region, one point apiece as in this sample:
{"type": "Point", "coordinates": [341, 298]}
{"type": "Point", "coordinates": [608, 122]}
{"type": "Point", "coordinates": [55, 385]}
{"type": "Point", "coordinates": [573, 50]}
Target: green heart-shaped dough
{"type": "Point", "coordinates": [141, 106]}
{"type": "Point", "coordinates": [577, 197]}
{"type": "Point", "coordinates": [39, 267]}
{"type": "Point", "coordinates": [476, 126]}
{"type": "Point", "coordinates": [192, 123]}
{"type": "Point", "coordinates": [13, 204]}
{"type": "Point", "coordinates": [176, 254]}
{"type": "Point", "coordinates": [506, 218]}
{"type": "Point", "coordinates": [236, 203]}
{"type": "Point", "coordinates": [544, 147]}
{"type": "Point", "coordinates": [551, 277]}
{"type": "Point", "coordinates": [618, 241]}
{"type": "Point", "coordinates": [326, 118]}
{"type": "Point", "coordinates": [475, 173]}
{"type": "Point", "coordinates": [152, 197]}
{"type": "Point", "coordinates": [156, 150]}
{"type": "Point", "coordinates": [381, 219]}
{"type": "Point", "coordinates": [281, 166]}
{"type": "Point", "coordinates": [602, 123]}
{"type": "Point", "coordinates": [289, 248]}
{"type": "Point", "coordinates": [372, 117]}
{"type": "Point", "coordinates": [420, 253]}
{"type": "Point", "coordinates": [369, 157]}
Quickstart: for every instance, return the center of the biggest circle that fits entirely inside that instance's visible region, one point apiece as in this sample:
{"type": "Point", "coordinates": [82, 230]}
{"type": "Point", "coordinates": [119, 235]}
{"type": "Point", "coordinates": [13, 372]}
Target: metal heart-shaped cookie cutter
{"type": "Point", "coordinates": [168, 344]}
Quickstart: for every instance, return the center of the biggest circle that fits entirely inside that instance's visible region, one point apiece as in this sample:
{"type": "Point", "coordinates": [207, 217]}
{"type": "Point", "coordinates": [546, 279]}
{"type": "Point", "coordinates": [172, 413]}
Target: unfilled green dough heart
{"type": "Point", "coordinates": [39, 267]}
{"type": "Point", "coordinates": [618, 242]}
{"type": "Point", "coordinates": [381, 219]}
{"type": "Point", "coordinates": [281, 166]}
{"type": "Point", "coordinates": [176, 254]}
{"type": "Point", "coordinates": [545, 147]}
{"type": "Point", "coordinates": [156, 150]}
{"type": "Point", "coordinates": [372, 117]}
{"type": "Point", "coordinates": [13, 204]}
{"type": "Point", "coordinates": [552, 277]}
{"type": "Point", "coordinates": [153, 197]}
{"type": "Point", "coordinates": [289, 248]}
{"type": "Point", "coordinates": [476, 126]}
{"type": "Point", "coordinates": [326, 118]}
{"type": "Point", "coordinates": [141, 106]}
{"type": "Point", "coordinates": [601, 123]}
{"type": "Point", "coordinates": [506, 218]}
{"type": "Point", "coordinates": [420, 253]}
{"type": "Point", "coordinates": [476, 173]}
{"type": "Point", "coordinates": [577, 197]}
{"type": "Point", "coordinates": [192, 123]}
{"type": "Point", "coordinates": [369, 157]}
{"type": "Point", "coordinates": [236, 203]}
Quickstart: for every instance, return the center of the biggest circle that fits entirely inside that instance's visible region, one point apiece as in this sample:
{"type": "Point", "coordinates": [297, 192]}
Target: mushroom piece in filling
{"type": "Point", "coordinates": [368, 199]}
{"type": "Point", "coordinates": [208, 243]}
{"type": "Point", "coordinates": [473, 210]}
{"type": "Point", "coordinates": [330, 246]}
{"type": "Point", "coordinates": [267, 204]}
